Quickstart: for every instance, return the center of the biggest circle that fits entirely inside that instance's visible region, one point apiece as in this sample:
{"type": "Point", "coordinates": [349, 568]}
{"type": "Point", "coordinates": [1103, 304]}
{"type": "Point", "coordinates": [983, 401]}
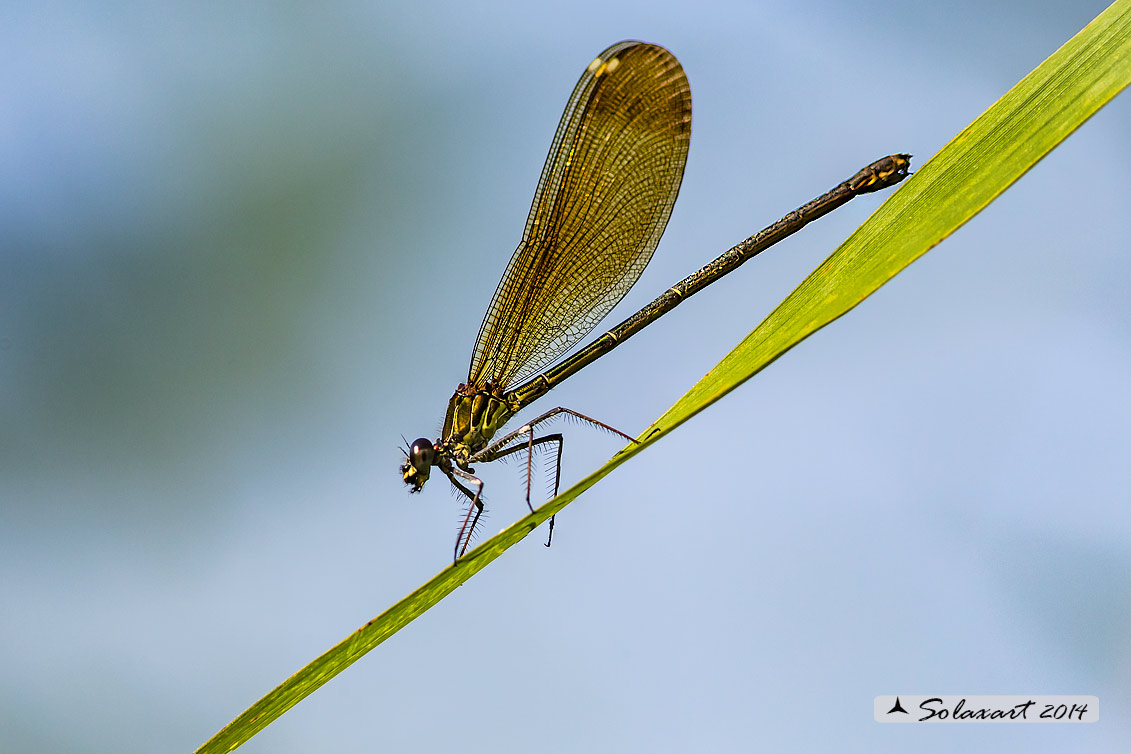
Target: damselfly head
{"type": "Point", "coordinates": [418, 463]}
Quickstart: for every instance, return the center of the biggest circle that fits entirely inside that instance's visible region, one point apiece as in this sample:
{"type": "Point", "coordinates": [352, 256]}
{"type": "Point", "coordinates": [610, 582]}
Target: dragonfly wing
{"type": "Point", "coordinates": [602, 203]}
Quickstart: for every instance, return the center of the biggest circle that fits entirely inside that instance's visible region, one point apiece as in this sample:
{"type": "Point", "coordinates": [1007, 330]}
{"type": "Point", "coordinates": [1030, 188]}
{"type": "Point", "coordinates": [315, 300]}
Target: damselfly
{"type": "Point", "coordinates": [601, 205]}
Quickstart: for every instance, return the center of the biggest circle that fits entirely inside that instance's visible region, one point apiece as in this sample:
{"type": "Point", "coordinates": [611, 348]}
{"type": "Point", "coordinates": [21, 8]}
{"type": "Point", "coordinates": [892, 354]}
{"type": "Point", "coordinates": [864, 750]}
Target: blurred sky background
{"type": "Point", "coordinates": [245, 247]}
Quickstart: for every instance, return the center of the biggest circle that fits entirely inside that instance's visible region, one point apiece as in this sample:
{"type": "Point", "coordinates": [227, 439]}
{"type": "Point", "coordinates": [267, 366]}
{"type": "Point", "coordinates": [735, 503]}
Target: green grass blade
{"type": "Point", "coordinates": [964, 177]}
{"type": "Point", "coordinates": [957, 183]}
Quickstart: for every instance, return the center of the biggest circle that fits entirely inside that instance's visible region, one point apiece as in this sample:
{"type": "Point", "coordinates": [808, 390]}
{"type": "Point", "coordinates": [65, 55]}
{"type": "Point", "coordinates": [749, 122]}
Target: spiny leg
{"type": "Point", "coordinates": [507, 439]}
{"type": "Point", "coordinates": [557, 481]}
{"type": "Point", "coordinates": [529, 448]}
{"type": "Point", "coordinates": [476, 505]}
{"type": "Point", "coordinates": [493, 452]}
{"type": "Point", "coordinates": [560, 440]}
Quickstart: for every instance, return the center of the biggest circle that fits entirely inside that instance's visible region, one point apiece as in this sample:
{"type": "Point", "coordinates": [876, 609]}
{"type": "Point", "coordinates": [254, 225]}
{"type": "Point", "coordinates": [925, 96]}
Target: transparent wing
{"type": "Point", "coordinates": [602, 203]}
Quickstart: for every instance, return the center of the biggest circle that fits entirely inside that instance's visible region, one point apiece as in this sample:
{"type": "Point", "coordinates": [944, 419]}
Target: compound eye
{"type": "Point", "coordinates": [421, 454]}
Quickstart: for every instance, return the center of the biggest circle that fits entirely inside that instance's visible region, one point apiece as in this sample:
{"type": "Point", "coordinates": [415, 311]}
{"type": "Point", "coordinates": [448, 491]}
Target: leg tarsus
{"type": "Point", "coordinates": [551, 537]}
